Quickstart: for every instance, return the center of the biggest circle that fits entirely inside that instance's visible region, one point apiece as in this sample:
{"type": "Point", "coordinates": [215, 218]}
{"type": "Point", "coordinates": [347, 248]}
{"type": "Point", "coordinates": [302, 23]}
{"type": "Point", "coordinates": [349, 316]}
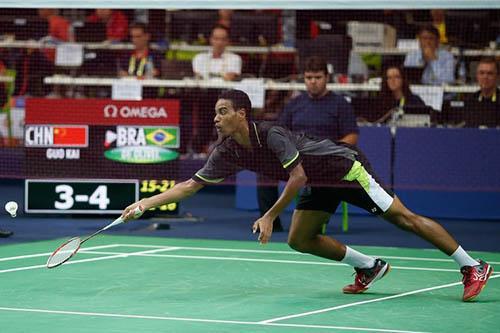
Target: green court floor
{"type": "Point", "coordinates": [133, 284]}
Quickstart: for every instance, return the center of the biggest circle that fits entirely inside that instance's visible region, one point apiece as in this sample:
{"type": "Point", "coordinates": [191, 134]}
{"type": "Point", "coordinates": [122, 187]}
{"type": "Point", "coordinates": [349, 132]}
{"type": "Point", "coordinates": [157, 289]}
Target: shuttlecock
{"type": "Point", "coordinates": [11, 208]}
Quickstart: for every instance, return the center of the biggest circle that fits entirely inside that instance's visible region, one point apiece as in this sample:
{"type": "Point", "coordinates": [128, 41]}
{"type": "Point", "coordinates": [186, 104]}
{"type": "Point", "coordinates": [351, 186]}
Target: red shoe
{"type": "Point", "coordinates": [365, 277]}
{"type": "Point", "coordinates": [475, 278]}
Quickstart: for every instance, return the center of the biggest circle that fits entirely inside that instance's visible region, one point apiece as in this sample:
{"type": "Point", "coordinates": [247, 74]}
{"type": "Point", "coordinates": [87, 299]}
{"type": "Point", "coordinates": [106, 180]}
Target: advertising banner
{"type": "Point", "coordinates": [102, 111]}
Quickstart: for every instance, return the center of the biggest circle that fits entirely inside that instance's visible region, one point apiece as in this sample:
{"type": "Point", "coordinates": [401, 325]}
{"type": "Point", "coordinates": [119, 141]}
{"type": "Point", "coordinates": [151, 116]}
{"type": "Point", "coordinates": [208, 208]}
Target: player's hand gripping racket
{"type": "Point", "coordinates": [69, 248]}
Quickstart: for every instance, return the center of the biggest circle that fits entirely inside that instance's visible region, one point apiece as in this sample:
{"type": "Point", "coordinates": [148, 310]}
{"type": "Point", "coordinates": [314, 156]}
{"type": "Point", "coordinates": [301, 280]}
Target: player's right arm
{"type": "Point", "coordinates": [177, 193]}
{"type": "Point", "coordinates": [216, 168]}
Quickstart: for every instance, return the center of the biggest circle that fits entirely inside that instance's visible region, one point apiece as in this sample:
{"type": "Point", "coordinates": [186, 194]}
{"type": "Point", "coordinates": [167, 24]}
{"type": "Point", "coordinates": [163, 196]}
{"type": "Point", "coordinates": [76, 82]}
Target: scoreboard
{"type": "Point", "coordinates": [88, 156]}
{"type": "Point", "coordinates": [92, 196]}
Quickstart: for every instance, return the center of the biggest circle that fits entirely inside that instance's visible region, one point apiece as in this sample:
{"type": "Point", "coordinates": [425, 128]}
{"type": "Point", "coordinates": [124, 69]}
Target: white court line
{"type": "Point", "coordinates": [232, 322]}
{"type": "Point", "coordinates": [338, 307]}
{"type": "Point", "coordinates": [234, 250]}
{"type": "Point", "coordinates": [49, 253]}
{"type": "Point", "coordinates": [165, 248]}
{"type": "Point", "coordinates": [179, 256]}
{"type": "Point", "coordinates": [294, 253]}
{"type": "Point", "coordinates": [121, 255]}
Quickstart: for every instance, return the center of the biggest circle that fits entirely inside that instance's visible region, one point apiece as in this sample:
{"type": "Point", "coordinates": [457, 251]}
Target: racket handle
{"type": "Point", "coordinates": [137, 213]}
{"type": "Point", "coordinates": [112, 224]}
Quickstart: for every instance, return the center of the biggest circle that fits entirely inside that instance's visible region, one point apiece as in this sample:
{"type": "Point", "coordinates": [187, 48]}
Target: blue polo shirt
{"type": "Point", "coordinates": [328, 117]}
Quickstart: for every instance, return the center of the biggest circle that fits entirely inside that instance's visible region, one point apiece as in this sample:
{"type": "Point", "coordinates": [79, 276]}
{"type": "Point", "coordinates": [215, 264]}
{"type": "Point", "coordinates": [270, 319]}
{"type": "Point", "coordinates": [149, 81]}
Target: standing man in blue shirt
{"type": "Point", "coordinates": [316, 112]}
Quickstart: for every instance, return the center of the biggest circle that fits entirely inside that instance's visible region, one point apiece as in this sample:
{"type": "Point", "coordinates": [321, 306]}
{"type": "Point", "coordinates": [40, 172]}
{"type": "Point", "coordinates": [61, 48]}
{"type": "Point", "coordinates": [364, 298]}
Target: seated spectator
{"type": "Point", "coordinates": [116, 23]}
{"type": "Point", "coordinates": [59, 27]}
{"type": "Point", "coordinates": [438, 21]}
{"type": "Point", "coordinates": [225, 17]}
{"type": "Point", "coordinates": [483, 107]}
{"type": "Point", "coordinates": [218, 62]}
{"type": "Point", "coordinates": [394, 94]}
{"type": "Point", "coordinates": [318, 111]}
{"type": "Point", "coordinates": [438, 64]}
{"type": "Point", "coordinates": [143, 62]}
{"type": "Point", "coordinates": [32, 65]}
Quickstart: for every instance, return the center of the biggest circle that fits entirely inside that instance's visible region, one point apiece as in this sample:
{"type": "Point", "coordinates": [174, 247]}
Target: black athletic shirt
{"type": "Point", "coordinates": [275, 152]}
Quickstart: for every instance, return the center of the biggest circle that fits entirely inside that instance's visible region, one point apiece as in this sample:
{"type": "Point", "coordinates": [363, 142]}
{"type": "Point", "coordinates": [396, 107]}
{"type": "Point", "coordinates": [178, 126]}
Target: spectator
{"type": "Point", "coordinates": [59, 30]}
{"type": "Point", "coordinates": [438, 64]}
{"type": "Point", "coordinates": [395, 93]}
{"type": "Point", "coordinates": [438, 21]}
{"type": "Point", "coordinates": [143, 62]}
{"type": "Point", "coordinates": [225, 17]}
{"type": "Point", "coordinates": [483, 107]}
{"type": "Point", "coordinates": [316, 112]}
{"type": "Point", "coordinates": [32, 65]}
{"type": "Point", "coordinates": [218, 62]}
{"type": "Point", "coordinates": [59, 27]}
{"type": "Point", "coordinates": [116, 23]}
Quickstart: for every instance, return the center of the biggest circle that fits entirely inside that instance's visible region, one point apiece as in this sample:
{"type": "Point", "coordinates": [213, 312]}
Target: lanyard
{"type": "Point", "coordinates": [140, 69]}
{"type": "Point", "coordinates": [493, 97]}
{"type": "Point", "coordinates": [402, 102]}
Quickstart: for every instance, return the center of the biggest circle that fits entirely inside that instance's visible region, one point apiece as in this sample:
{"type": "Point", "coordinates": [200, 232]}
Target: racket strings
{"type": "Point", "coordinates": [70, 247]}
{"type": "Point", "coordinates": [64, 252]}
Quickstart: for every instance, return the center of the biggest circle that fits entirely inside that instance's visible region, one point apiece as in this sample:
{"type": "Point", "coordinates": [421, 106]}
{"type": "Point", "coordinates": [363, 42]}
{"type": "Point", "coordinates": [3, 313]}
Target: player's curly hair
{"type": "Point", "coordinates": [239, 99]}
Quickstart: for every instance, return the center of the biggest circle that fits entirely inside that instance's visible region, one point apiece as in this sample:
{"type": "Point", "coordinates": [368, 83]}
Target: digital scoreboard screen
{"type": "Point", "coordinates": [93, 196]}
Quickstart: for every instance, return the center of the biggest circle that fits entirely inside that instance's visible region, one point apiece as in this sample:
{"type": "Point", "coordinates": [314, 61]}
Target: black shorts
{"type": "Point", "coordinates": [360, 187]}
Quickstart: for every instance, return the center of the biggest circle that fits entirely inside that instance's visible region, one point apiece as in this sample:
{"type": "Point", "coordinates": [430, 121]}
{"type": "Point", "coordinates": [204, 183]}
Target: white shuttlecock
{"type": "Point", "coordinates": [11, 208]}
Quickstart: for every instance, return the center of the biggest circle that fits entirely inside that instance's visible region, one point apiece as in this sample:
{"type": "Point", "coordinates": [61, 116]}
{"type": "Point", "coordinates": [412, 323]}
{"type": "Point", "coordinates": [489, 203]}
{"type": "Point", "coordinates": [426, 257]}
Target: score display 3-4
{"type": "Point", "coordinates": [88, 196]}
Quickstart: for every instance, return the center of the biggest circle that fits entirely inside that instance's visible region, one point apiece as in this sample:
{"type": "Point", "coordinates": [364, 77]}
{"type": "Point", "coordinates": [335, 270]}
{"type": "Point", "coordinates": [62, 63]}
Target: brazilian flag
{"type": "Point", "coordinates": [167, 137]}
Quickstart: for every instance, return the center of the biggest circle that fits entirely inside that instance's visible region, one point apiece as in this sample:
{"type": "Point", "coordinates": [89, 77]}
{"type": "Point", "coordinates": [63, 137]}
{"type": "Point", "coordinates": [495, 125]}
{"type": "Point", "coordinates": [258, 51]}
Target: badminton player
{"type": "Point", "coordinates": [326, 172]}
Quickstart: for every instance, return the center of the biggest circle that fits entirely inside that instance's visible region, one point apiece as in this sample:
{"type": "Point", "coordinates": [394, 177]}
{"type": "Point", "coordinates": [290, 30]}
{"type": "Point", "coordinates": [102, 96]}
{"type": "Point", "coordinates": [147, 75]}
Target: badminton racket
{"type": "Point", "coordinates": [69, 248]}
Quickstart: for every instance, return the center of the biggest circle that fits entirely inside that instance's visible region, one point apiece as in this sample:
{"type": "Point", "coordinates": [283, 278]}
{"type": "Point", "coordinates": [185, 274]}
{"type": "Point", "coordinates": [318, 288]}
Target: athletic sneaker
{"type": "Point", "coordinates": [475, 278]}
{"type": "Point", "coordinates": [365, 277]}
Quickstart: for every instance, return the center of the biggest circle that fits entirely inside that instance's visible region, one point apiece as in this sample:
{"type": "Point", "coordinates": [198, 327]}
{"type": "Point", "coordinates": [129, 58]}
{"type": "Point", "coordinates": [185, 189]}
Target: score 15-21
{"type": "Point", "coordinates": [151, 187]}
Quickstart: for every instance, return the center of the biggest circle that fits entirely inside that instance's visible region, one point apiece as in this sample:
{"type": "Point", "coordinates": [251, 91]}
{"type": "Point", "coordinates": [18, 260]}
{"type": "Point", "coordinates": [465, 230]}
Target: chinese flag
{"type": "Point", "coordinates": [70, 136]}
